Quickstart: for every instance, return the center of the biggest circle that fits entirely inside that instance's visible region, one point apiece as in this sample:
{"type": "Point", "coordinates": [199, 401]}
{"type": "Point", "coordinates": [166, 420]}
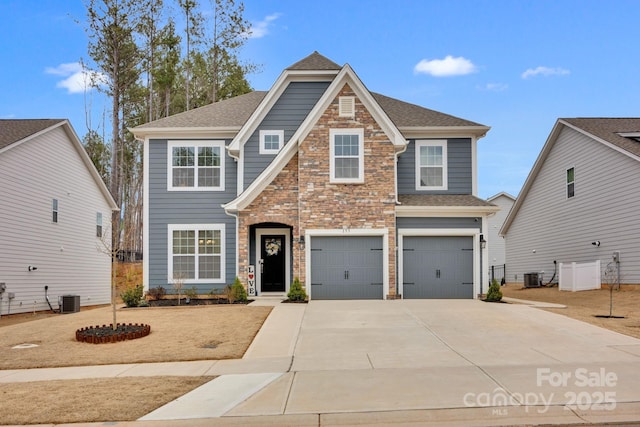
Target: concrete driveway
{"type": "Point", "coordinates": [424, 362]}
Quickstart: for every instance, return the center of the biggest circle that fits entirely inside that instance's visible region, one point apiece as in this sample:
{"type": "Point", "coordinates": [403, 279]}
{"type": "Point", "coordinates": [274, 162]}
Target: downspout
{"type": "Point", "coordinates": [395, 169]}
{"type": "Point", "coordinates": [235, 215]}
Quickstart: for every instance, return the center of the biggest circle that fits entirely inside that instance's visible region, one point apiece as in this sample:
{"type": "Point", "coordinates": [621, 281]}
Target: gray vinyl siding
{"type": "Point", "coordinates": [185, 207]}
{"type": "Point", "coordinates": [453, 222]}
{"type": "Point", "coordinates": [70, 258]}
{"type": "Point", "coordinates": [605, 208]}
{"type": "Point", "coordinates": [288, 112]}
{"type": "Point", "coordinates": [459, 169]}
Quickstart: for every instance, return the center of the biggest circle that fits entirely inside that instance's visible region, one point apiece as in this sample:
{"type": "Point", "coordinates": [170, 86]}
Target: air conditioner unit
{"type": "Point", "coordinates": [70, 304]}
{"type": "Point", "coordinates": [531, 280]}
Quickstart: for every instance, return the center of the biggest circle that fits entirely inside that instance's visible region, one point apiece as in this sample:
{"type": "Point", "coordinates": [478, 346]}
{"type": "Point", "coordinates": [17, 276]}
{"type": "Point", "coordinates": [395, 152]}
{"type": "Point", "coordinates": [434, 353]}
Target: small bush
{"type": "Point", "coordinates": [297, 292]}
{"type": "Point", "coordinates": [157, 293]}
{"type": "Point", "coordinates": [191, 293]}
{"type": "Point", "coordinates": [236, 292]}
{"type": "Point", "coordinates": [494, 294]}
{"type": "Point", "coordinates": [133, 296]}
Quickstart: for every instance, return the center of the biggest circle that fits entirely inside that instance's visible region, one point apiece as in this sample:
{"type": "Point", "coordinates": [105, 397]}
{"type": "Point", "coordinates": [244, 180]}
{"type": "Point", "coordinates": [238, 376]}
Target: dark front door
{"type": "Point", "coordinates": [273, 263]}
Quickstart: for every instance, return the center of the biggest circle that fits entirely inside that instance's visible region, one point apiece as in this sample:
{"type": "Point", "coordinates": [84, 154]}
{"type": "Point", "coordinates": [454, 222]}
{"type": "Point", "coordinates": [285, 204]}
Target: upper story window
{"type": "Point", "coordinates": [54, 211]}
{"type": "Point", "coordinates": [196, 253]}
{"type": "Point", "coordinates": [347, 155]}
{"type": "Point", "coordinates": [431, 165]}
{"type": "Point", "coordinates": [271, 141]}
{"type": "Point", "coordinates": [570, 183]}
{"type": "Point", "coordinates": [195, 166]}
{"type": "Point", "coordinates": [99, 224]}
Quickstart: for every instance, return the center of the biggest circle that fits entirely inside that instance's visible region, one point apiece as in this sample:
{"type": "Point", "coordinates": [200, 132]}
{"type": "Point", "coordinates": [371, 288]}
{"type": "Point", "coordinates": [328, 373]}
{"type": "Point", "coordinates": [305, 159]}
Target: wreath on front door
{"type": "Point", "coordinates": [272, 246]}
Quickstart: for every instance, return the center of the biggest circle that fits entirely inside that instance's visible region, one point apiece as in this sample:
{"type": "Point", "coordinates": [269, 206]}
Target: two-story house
{"type": "Point", "coordinates": [357, 194]}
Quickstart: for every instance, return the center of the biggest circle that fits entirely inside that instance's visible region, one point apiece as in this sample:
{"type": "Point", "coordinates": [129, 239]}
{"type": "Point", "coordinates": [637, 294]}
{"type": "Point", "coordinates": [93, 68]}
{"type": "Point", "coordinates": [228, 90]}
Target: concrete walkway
{"type": "Point", "coordinates": [412, 362]}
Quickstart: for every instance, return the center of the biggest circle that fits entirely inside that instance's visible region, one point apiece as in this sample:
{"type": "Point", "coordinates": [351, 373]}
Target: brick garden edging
{"type": "Point", "coordinates": [106, 334]}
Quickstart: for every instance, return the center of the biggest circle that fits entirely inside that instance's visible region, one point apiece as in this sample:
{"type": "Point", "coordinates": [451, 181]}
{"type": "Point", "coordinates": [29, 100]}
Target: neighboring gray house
{"type": "Point", "coordinates": [580, 202]}
{"type": "Point", "coordinates": [54, 206]}
{"type": "Point", "coordinates": [497, 256]}
{"type": "Point", "coordinates": [357, 194]}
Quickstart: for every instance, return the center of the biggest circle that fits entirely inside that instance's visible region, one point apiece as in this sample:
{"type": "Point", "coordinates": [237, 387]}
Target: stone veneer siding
{"type": "Point", "coordinates": [301, 196]}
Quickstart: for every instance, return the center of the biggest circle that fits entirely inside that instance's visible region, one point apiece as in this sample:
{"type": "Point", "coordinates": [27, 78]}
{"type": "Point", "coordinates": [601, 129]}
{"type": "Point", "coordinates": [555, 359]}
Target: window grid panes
{"type": "Point", "coordinates": [196, 167]}
{"type": "Point", "coordinates": [431, 166]}
{"type": "Point", "coordinates": [271, 142]}
{"type": "Point", "coordinates": [197, 258]}
{"type": "Point", "coordinates": [347, 156]}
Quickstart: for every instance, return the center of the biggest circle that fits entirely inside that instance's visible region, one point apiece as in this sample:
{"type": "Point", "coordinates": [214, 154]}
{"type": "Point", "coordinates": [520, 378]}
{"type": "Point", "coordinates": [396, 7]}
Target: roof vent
{"type": "Point", "coordinates": [347, 106]}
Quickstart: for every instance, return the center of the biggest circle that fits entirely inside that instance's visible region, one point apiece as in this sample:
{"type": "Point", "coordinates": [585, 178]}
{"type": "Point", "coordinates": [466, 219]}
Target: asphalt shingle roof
{"type": "Point", "coordinates": [236, 111]}
{"type": "Point", "coordinates": [315, 61]}
{"type": "Point", "coordinates": [442, 200]}
{"type": "Point", "coordinates": [12, 131]}
{"type": "Point", "coordinates": [608, 129]}
{"type": "Point", "coordinates": [228, 113]}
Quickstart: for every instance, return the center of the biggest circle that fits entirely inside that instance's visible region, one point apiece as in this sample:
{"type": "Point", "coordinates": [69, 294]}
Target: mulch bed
{"type": "Point", "coordinates": [173, 302]}
{"type": "Point", "coordinates": [108, 334]}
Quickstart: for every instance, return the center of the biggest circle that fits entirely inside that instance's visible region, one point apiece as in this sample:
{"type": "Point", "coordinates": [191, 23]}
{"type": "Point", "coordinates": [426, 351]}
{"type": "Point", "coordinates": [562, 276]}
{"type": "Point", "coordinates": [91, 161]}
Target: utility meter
{"type": "Point", "coordinates": [616, 256]}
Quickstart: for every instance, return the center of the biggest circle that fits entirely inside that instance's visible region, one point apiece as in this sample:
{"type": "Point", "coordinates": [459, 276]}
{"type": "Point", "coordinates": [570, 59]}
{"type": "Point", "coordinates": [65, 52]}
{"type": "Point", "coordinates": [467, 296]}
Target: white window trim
{"type": "Point", "coordinates": [332, 164]}
{"type": "Point", "coordinates": [196, 145]}
{"type": "Point", "coordinates": [99, 224]}
{"type": "Point", "coordinates": [432, 143]}
{"type": "Point", "coordinates": [263, 133]}
{"type": "Point", "coordinates": [566, 184]}
{"type": "Point", "coordinates": [196, 228]}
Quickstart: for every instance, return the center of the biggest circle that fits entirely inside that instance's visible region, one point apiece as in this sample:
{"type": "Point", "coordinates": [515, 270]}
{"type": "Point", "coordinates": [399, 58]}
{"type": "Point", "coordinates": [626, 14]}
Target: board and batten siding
{"type": "Point", "coordinates": [185, 207]}
{"type": "Point", "coordinates": [288, 112]}
{"type": "Point", "coordinates": [70, 258]}
{"type": "Point", "coordinates": [605, 208]}
{"type": "Point", "coordinates": [458, 167]}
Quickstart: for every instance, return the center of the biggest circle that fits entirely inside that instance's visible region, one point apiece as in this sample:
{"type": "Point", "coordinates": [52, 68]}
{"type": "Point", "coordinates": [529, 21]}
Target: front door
{"type": "Point", "coordinates": [273, 266]}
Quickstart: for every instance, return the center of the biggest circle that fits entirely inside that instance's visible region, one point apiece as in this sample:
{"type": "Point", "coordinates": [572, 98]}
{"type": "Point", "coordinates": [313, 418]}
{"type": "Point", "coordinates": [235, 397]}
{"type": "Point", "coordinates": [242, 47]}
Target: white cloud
{"type": "Point", "coordinates": [77, 79]}
{"type": "Point", "coordinates": [545, 71]}
{"type": "Point", "coordinates": [495, 87]}
{"type": "Point", "coordinates": [261, 28]}
{"type": "Point", "coordinates": [449, 66]}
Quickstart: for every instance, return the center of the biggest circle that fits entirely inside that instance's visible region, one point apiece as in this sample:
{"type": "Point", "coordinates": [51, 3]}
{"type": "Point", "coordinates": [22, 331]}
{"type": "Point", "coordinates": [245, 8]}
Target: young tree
{"type": "Point", "coordinates": [113, 48]}
{"type": "Point", "coordinates": [99, 152]}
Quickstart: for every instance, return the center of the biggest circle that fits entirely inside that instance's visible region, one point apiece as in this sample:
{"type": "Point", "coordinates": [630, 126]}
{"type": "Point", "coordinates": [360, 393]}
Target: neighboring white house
{"type": "Point", "coordinates": [54, 209]}
{"type": "Point", "coordinates": [497, 256]}
{"type": "Point", "coordinates": [580, 202]}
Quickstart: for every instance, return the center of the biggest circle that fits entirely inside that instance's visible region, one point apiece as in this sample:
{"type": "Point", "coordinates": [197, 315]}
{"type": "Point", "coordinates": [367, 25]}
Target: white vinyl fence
{"type": "Point", "coordinates": [579, 277]}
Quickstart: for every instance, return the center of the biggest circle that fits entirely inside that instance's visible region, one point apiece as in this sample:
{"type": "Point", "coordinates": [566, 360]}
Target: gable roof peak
{"type": "Point", "coordinates": [315, 61]}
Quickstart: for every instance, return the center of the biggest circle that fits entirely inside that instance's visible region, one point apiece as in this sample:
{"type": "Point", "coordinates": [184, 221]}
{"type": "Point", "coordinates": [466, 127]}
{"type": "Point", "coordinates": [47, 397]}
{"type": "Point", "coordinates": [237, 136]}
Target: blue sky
{"type": "Point", "coordinates": [513, 65]}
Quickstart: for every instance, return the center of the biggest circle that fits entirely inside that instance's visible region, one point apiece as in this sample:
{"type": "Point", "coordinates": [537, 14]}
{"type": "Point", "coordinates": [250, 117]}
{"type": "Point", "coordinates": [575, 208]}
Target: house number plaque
{"type": "Point", "coordinates": [251, 282]}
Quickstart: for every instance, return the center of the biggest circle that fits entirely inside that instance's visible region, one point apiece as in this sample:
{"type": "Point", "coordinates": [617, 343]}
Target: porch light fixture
{"type": "Point", "coordinates": [483, 243]}
{"type": "Point", "coordinates": [301, 240]}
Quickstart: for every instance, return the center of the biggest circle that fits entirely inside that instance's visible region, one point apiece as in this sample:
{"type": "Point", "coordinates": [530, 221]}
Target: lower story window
{"type": "Point", "coordinates": [196, 253]}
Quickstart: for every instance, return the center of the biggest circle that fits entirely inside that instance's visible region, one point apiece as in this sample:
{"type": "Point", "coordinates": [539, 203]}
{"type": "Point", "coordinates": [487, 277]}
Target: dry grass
{"type": "Point", "coordinates": [585, 305]}
{"type": "Point", "coordinates": [177, 334]}
{"type": "Point", "coordinates": [75, 401]}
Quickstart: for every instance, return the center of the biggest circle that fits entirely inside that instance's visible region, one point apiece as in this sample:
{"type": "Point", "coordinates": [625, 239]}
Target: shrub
{"type": "Point", "coordinates": [297, 292]}
{"type": "Point", "coordinates": [132, 296]}
{"type": "Point", "coordinates": [157, 293]}
{"type": "Point", "coordinates": [191, 293]}
{"type": "Point", "coordinates": [236, 292]}
{"type": "Point", "coordinates": [494, 294]}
